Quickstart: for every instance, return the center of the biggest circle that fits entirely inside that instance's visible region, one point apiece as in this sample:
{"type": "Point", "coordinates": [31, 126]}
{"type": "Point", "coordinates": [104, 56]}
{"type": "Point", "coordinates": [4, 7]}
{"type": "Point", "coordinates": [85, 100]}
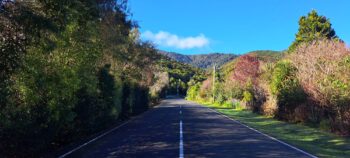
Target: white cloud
{"type": "Point", "coordinates": [163, 38]}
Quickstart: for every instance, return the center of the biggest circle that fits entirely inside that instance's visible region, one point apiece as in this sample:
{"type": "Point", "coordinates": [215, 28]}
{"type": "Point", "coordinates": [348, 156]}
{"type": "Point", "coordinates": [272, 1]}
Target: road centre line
{"type": "Point", "coordinates": [181, 145]}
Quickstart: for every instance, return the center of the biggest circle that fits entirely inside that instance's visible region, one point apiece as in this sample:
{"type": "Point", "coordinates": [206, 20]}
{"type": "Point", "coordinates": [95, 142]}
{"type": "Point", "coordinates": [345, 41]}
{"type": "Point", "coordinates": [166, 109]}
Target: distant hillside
{"type": "Point", "coordinates": [267, 55]}
{"type": "Point", "coordinates": [201, 60]}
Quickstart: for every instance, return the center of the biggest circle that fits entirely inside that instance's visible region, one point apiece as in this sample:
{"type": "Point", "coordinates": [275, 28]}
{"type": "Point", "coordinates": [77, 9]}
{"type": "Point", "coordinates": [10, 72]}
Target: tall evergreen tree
{"type": "Point", "coordinates": [313, 27]}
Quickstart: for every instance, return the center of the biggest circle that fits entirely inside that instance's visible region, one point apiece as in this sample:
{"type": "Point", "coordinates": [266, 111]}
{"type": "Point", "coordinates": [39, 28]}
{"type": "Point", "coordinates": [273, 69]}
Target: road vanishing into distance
{"type": "Point", "coordinates": [179, 128]}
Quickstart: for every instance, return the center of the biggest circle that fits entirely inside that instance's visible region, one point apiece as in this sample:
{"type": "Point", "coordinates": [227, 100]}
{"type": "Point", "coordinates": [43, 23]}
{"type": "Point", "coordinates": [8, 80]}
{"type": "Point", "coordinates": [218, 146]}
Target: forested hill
{"type": "Point", "coordinates": [201, 60]}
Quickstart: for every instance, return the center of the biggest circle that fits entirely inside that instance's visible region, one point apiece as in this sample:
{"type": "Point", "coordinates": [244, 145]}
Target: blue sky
{"type": "Point", "coordinates": [231, 26]}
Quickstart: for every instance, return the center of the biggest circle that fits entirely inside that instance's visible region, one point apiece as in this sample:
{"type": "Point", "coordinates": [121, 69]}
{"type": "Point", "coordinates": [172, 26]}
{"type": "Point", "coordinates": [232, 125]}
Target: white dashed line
{"type": "Point", "coordinates": [181, 144]}
{"type": "Point", "coordinates": [181, 147]}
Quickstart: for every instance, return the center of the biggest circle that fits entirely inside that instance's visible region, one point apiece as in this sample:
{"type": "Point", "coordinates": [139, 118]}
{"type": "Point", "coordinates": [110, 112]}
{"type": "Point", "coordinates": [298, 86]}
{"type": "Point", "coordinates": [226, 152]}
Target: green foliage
{"type": "Point", "coordinates": [69, 69]}
{"type": "Point", "coordinates": [285, 86]}
{"type": "Point", "coordinates": [247, 97]}
{"type": "Point", "coordinates": [157, 90]}
{"type": "Point", "coordinates": [234, 92]}
{"type": "Point", "coordinates": [193, 91]}
{"type": "Point", "coordinates": [237, 105]}
{"type": "Point", "coordinates": [218, 93]}
{"type": "Point", "coordinates": [110, 94]}
{"type": "Point", "coordinates": [313, 27]}
{"type": "Point", "coordinates": [267, 55]}
{"type": "Point", "coordinates": [179, 75]}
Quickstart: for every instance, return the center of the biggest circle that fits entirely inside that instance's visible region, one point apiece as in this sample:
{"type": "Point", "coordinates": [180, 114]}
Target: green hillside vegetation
{"type": "Point", "coordinates": [201, 60]}
{"type": "Point", "coordinates": [309, 84]}
{"type": "Point", "coordinates": [267, 55]}
{"type": "Point", "coordinates": [179, 76]}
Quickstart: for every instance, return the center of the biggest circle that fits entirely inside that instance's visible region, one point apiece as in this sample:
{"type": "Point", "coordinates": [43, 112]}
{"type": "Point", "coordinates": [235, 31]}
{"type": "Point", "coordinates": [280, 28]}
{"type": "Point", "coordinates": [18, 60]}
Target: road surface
{"type": "Point", "coordinates": [179, 128]}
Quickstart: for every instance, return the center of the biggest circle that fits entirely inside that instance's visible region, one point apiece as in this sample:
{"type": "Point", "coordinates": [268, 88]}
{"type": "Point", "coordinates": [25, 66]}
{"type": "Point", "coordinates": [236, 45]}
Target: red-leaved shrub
{"type": "Point", "coordinates": [246, 68]}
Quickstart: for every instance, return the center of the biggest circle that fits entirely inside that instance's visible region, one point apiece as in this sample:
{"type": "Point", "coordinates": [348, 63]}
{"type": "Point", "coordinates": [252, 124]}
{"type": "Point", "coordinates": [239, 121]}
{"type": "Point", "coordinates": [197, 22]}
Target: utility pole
{"type": "Point", "coordinates": [213, 91]}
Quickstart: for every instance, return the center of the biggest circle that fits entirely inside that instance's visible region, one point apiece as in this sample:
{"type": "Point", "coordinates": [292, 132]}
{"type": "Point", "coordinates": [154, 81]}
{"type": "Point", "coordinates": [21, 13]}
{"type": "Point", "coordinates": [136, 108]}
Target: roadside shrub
{"type": "Point", "coordinates": [219, 93]}
{"type": "Point", "coordinates": [247, 96]}
{"type": "Point", "coordinates": [324, 73]}
{"type": "Point", "coordinates": [205, 91]}
{"type": "Point", "coordinates": [158, 87]}
{"type": "Point", "coordinates": [286, 88]}
{"type": "Point", "coordinates": [41, 105]}
{"type": "Point", "coordinates": [237, 105]}
{"type": "Point", "coordinates": [192, 92]}
{"type": "Point", "coordinates": [233, 90]}
{"type": "Point", "coordinates": [110, 93]}
{"type": "Point", "coordinates": [270, 107]}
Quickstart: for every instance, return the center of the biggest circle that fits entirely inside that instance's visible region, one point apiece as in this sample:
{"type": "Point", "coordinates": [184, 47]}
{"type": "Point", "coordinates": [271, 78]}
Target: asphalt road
{"type": "Point", "coordinates": [205, 133]}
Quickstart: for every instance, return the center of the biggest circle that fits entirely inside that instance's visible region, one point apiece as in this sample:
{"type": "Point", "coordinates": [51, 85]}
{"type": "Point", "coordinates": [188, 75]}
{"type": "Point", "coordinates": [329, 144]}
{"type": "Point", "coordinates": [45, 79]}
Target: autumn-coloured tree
{"type": "Point", "coordinates": [246, 68]}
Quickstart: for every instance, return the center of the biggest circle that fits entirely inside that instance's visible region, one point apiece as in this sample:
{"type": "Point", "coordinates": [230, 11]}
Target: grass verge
{"type": "Point", "coordinates": [312, 140]}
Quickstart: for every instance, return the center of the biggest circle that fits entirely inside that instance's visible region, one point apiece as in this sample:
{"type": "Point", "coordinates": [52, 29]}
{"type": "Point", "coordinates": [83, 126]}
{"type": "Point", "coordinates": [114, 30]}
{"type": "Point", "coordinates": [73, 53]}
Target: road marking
{"type": "Point", "coordinates": [273, 138]}
{"type": "Point", "coordinates": [92, 140]}
{"type": "Point", "coordinates": [100, 136]}
{"type": "Point", "coordinates": [181, 145]}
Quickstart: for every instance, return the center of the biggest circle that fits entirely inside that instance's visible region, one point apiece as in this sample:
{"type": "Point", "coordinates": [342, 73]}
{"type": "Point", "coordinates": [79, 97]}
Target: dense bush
{"type": "Point", "coordinates": [179, 76]}
{"type": "Point", "coordinates": [232, 90]}
{"type": "Point", "coordinates": [323, 71]}
{"type": "Point", "coordinates": [193, 91]}
{"type": "Point", "coordinates": [219, 95]}
{"type": "Point", "coordinates": [285, 86]}
{"type": "Point", "coordinates": [248, 98]}
{"type": "Point", "coordinates": [194, 87]}
{"type": "Point", "coordinates": [157, 90]}
{"type": "Point", "coordinates": [69, 69]}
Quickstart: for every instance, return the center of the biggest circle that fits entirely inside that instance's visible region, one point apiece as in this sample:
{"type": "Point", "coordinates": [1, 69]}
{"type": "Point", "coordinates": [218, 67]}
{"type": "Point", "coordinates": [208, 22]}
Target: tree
{"type": "Point", "coordinates": [313, 27]}
{"type": "Point", "coordinates": [246, 68]}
